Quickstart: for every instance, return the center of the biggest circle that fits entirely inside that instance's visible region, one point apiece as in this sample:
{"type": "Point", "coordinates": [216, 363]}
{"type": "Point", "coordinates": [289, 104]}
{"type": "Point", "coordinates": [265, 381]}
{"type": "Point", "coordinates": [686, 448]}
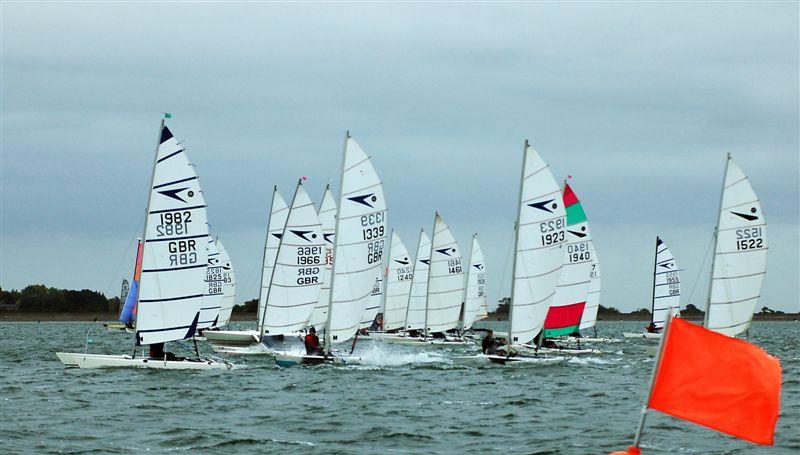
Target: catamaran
{"type": "Point", "coordinates": [538, 257]}
{"type": "Point", "coordinates": [666, 295]}
{"type": "Point", "coordinates": [740, 256]}
{"type": "Point", "coordinates": [358, 253]}
{"type": "Point", "coordinates": [250, 341]}
{"type": "Point", "coordinates": [174, 262]}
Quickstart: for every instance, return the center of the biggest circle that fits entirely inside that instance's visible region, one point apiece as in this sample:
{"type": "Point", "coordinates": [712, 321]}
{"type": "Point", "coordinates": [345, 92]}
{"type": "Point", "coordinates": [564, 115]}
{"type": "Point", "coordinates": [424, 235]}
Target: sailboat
{"type": "Point", "coordinates": [740, 256]}
{"type": "Point", "coordinates": [412, 321]}
{"type": "Point", "coordinates": [589, 316]}
{"type": "Point", "coordinates": [445, 291]}
{"type": "Point", "coordinates": [666, 295]}
{"type": "Point", "coordinates": [228, 286]}
{"type": "Point", "coordinates": [249, 341]}
{"type": "Point", "coordinates": [358, 254]}
{"type": "Point", "coordinates": [475, 289]}
{"type": "Point", "coordinates": [212, 300]}
{"type": "Point", "coordinates": [174, 262]}
{"type": "Point", "coordinates": [327, 217]}
{"type": "Point", "coordinates": [128, 313]}
{"type": "Point", "coordinates": [538, 257]}
{"type": "Point", "coordinates": [399, 274]}
{"type": "Point", "coordinates": [373, 303]}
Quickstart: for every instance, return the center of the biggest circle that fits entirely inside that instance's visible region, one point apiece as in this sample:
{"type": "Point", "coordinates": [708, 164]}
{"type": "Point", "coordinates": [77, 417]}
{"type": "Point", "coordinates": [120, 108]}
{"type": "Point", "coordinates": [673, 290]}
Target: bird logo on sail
{"type": "Point", "coordinates": [478, 266]}
{"type": "Point", "coordinates": [578, 234]}
{"type": "Point", "coordinates": [363, 199]}
{"type": "Point", "coordinates": [173, 193]}
{"type": "Point", "coordinates": [327, 237]}
{"type": "Point", "coordinates": [668, 265]}
{"type": "Point", "coordinates": [446, 251]}
{"type": "Point", "coordinates": [277, 235]}
{"type": "Point", "coordinates": [303, 234]}
{"type": "Point", "coordinates": [747, 216]}
{"type": "Point", "coordinates": [404, 262]}
{"type": "Point", "coordinates": [542, 205]}
{"type": "Point", "coordinates": [425, 261]}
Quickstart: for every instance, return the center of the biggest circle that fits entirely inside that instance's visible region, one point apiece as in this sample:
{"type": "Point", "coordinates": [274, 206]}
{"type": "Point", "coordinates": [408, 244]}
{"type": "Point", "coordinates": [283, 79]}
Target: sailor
{"type": "Point", "coordinates": [312, 342]}
{"type": "Point", "coordinates": [651, 328]}
{"type": "Point", "coordinates": [490, 344]}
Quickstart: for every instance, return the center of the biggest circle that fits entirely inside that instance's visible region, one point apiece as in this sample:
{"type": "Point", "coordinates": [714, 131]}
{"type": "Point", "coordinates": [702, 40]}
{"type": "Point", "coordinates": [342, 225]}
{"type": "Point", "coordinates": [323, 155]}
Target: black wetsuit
{"type": "Point", "coordinates": [489, 345]}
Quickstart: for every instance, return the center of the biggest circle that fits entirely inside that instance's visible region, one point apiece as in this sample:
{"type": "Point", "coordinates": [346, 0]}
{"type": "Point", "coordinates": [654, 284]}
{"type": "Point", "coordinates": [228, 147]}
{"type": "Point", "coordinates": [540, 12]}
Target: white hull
{"type": "Point", "coordinates": [643, 335]}
{"type": "Point", "coordinates": [517, 360]}
{"type": "Point", "coordinates": [289, 360]}
{"type": "Point", "coordinates": [231, 337]}
{"type": "Point", "coordinates": [253, 349]}
{"type": "Point", "coordinates": [530, 349]}
{"type": "Point", "coordinates": [590, 340]}
{"type": "Point", "coordinates": [125, 361]}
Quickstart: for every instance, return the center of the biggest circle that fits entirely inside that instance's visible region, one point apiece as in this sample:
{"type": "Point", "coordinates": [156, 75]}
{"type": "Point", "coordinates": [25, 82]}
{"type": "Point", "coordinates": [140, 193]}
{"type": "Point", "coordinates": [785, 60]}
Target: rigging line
{"type": "Point", "coordinates": [124, 256]}
{"type": "Point", "coordinates": [700, 271]}
{"type": "Point", "coordinates": [505, 269]}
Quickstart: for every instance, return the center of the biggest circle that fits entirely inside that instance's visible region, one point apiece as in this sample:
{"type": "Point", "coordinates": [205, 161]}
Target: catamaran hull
{"type": "Point", "coordinates": [125, 361]}
{"type": "Point", "coordinates": [526, 348]}
{"type": "Point", "coordinates": [522, 360]}
{"type": "Point", "coordinates": [291, 360]}
{"type": "Point", "coordinates": [253, 349]}
{"type": "Point", "coordinates": [643, 335]}
{"type": "Point", "coordinates": [232, 337]}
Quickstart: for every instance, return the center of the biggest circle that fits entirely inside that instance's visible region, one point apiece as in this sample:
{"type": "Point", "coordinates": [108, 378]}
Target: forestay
{"type": "Point", "coordinates": [212, 301]}
{"type": "Point", "coordinates": [398, 285]}
{"type": "Point", "coordinates": [566, 310]}
{"type": "Point", "coordinates": [359, 243]}
{"type": "Point", "coordinates": [228, 286]}
{"type": "Point", "coordinates": [277, 221]}
{"type": "Point", "coordinates": [740, 260]}
{"type": "Point", "coordinates": [174, 258]}
{"type": "Point", "coordinates": [297, 276]}
{"type": "Point", "coordinates": [327, 217]}
{"type": "Point", "coordinates": [418, 295]}
{"type": "Point", "coordinates": [475, 292]}
{"type": "Point", "coordinates": [666, 285]}
{"type": "Point", "coordinates": [539, 251]}
{"type": "Point", "coordinates": [445, 280]}
{"type": "Point", "coordinates": [589, 318]}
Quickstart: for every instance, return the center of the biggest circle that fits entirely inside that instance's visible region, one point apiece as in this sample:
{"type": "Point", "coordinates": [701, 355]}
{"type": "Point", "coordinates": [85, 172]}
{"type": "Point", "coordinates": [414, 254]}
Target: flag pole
{"type": "Point", "coordinates": [653, 374]}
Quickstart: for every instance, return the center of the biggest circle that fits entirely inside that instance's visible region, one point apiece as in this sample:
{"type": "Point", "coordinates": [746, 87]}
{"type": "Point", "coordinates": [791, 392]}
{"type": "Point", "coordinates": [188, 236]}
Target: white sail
{"type": "Point", "coordinates": [174, 258]}
{"type": "Point", "coordinates": [666, 285]}
{"type": "Point", "coordinates": [228, 286]}
{"type": "Point", "coordinates": [327, 216]}
{"type": "Point", "coordinates": [359, 243]}
{"type": "Point", "coordinates": [374, 303]}
{"type": "Point", "coordinates": [297, 276]}
{"type": "Point", "coordinates": [541, 235]}
{"type": "Point", "coordinates": [566, 309]}
{"type": "Point", "coordinates": [475, 292]}
{"type": "Point", "coordinates": [212, 300]}
{"type": "Point", "coordinates": [445, 280]}
{"type": "Point", "coordinates": [589, 317]}
{"type": "Point", "coordinates": [418, 296]}
{"type": "Point", "coordinates": [398, 285]}
{"type": "Point", "coordinates": [277, 221]}
{"type": "Point", "coordinates": [740, 260]}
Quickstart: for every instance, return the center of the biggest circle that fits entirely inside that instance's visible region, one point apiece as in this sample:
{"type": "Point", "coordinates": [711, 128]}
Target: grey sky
{"type": "Point", "coordinates": [638, 102]}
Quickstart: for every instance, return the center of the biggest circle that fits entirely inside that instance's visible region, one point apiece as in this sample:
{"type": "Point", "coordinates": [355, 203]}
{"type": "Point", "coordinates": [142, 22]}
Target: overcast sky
{"type": "Point", "coordinates": [638, 102]}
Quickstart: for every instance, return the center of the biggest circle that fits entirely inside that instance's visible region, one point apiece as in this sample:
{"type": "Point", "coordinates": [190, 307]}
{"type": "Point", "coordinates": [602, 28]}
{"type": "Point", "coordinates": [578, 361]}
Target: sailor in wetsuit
{"type": "Point", "coordinates": [312, 342]}
{"type": "Point", "coordinates": [490, 344]}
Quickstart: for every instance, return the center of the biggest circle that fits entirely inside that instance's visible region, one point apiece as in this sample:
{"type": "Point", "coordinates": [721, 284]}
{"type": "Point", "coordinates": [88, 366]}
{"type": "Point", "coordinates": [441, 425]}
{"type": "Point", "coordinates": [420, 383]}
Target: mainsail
{"type": "Point", "coordinates": [228, 286]}
{"type": "Point", "coordinates": [398, 285]}
{"type": "Point", "coordinates": [539, 251]}
{"type": "Point", "coordinates": [445, 281]}
{"type": "Point", "coordinates": [297, 275]}
{"type": "Point", "coordinates": [128, 313]}
{"type": "Point", "coordinates": [212, 301]}
{"type": "Point", "coordinates": [327, 216]}
{"type": "Point", "coordinates": [277, 221]}
{"type": "Point", "coordinates": [475, 291]}
{"type": "Point", "coordinates": [418, 295]}
{"type": "Point", "coordinates": [359, 243]}
{"type": "Point", "coordinates": [174, 258]}
{"type": "Point", "coordinates": [589, 318]}
{"type": "Point", "coordinates": [740, 256]}
{"type": "Point", "coordinates": [564, 315]}
{"type": "Point", "coordinates": [666, 285]}
{"type": "Point", "coordinates": [374, 302]}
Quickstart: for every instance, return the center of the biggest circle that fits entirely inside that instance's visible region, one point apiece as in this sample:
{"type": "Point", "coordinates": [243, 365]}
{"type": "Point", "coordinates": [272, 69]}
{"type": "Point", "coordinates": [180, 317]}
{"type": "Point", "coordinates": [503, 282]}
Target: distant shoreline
{"type": "Point", "coordinates": [18, 316]}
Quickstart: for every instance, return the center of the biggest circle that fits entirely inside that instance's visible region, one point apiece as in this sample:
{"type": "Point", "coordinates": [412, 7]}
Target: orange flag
{"type": "Point", "coordinates": [719, 382]}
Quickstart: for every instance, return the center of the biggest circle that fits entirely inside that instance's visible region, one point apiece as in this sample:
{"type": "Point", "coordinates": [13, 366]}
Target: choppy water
{"type": "Point", "coordinates": [403, 399]}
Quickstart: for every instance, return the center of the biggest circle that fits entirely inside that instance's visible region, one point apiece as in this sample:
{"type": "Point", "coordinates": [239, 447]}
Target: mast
{"type": "Point", "coordinates": [144, 229]}
{"type": "Point", "coordinates": [653, 295]}
{"type": "Point", "coordinates": [428, 284]}
{"type": "Point", "coordinates": [408, 300]}
{"type": "Point", "coordinates": [328, 335]}
{"type": "Point", "coordinates": [514, 263]}
{"type": "Point", "coordinates": [466, 283]}
{"type": "Point", "coordinates": [260, 321]}
{"type": "Point", "coordinates": [716, 235]}
{"type": "Point", "coordinates": [277, 255]}
{"type": "Point", "coordinates": [385, 274]}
